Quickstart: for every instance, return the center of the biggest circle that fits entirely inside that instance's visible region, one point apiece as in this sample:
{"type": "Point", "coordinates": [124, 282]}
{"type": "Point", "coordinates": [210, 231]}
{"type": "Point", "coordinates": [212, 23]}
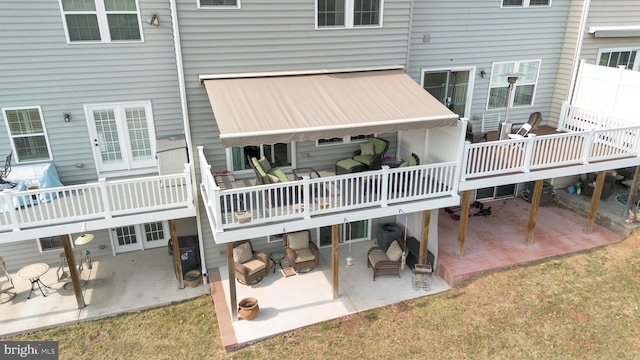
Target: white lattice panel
{"type": "Point", "coordinates": [413, 225]}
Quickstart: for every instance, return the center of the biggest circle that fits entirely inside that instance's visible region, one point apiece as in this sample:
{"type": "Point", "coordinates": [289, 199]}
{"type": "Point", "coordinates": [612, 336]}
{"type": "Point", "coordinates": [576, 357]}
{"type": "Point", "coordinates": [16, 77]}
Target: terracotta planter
{"type": "Point", "coordinates": [248, 308]}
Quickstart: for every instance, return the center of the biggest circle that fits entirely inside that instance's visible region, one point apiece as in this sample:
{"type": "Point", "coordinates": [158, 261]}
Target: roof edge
{"type": "Point", "coordinates": [203, 78]}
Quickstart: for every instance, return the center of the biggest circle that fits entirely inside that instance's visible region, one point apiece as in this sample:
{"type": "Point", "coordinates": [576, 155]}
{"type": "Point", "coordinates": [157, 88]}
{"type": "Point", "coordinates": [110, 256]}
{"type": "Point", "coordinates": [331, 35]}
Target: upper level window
{"type": "Point", "coordinates": [280, 154]}
{"type": "Point", "coordinates": [615, 58]}
{"type": "Point", "coordinates": [525, 3]}
{"type": "Point", "coordinates": [348, 13]}
{"type": "Point", "coordinates": [524, 89]}
{"type": "Point", "coordinates": [219, 4]}
{"type": "Point", "coordinates": [101, 20]}
{"type": "Point", "coordinates": [27, 133]}
{"type": "Point", "coordinates": [343, 140]}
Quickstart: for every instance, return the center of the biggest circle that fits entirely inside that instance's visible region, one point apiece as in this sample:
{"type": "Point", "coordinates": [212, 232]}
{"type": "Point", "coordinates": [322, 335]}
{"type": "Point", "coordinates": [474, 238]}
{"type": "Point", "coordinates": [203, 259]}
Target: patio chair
{"type": "Point", "coordinates": [368, 157]}
{"type": "Point", "coordinates": [6, 170]}
{"type": "Point", "coordinates": [7, 290]}
{"type": "Point", "coordinates": [386, 261]}
{"type": "Point", "coordinates": [303, 253]}
{"type": "Point", "coordinates": [266, 173]}
{"type": "Point", "coordinates": [250, 266]}
{"type": "Point", "coordinates": [63, 273]}
{"type": "Point", "coordinates": [532, 124]}
{"type": "Point", "coordinates": [522, 132]}
{"type": "Point", "coordinates": [474, 137]}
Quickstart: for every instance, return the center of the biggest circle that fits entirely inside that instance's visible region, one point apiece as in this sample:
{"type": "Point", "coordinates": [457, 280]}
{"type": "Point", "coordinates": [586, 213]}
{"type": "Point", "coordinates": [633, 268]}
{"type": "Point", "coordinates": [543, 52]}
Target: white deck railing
{"type": "Point", "coordinates": [306, 198]}
{"type": "Point", "coordinates": [99, 200]}
{"type": "Point", "coordinates": [549, 151]}
{"type": "Point", "coordinates": [573, 118]}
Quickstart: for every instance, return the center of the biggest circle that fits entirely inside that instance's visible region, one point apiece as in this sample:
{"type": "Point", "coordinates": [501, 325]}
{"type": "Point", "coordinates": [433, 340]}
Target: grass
{"type": "Point", "coordinates": [583, 306]}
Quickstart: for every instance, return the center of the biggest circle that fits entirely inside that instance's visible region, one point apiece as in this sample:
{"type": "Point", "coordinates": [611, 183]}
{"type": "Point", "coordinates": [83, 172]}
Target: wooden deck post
{"type": "Point", "coordinates": [176, 253]}
{"type": "Point", "coordinates": [633, 192]}
{"type": "Point", "coordinates": [335, 256]}
{"type": "Point", "coordinates": [424, 237]}
{"type": "Point", "coordinates": [464, 220]}
{"type": "Point", "coordinates": [595, 201]}
{"type": "Point", "coordinates": [233, 296]}
{"type": "Point", "coordinates": [73, 270]}
{"type": "Point", "coordinates": [533, 213]}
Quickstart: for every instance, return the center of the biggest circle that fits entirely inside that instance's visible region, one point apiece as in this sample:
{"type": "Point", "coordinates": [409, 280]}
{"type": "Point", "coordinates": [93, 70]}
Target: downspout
{"type": "Point", "coordinates": [187, 136]}
{"type": "Point", "coordinates": [578, 49]}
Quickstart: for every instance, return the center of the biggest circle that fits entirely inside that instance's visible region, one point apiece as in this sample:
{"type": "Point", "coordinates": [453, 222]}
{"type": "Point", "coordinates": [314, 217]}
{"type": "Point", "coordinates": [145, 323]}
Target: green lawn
{"type": "Point", "coordinates": [583, 306]}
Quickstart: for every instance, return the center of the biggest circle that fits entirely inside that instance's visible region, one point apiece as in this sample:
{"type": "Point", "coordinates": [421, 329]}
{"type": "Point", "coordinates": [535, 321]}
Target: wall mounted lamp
{"type": "Point", "coordinates": [67, 117]}
{"type": "Point", "coordinates": [483, 74]}
{"type": "Point", "coordinates": [153, 20]}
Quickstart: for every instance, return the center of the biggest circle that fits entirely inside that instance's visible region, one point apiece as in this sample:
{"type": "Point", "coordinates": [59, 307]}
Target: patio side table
{"type": "Point", "coordinates": [276, 257]}
{"type": "Point", "coordinates": [32, 273]}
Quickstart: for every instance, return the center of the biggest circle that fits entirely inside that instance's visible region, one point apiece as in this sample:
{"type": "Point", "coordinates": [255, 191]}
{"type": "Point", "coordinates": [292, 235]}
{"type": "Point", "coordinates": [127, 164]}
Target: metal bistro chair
{"type": "Point", "coordinates": [7, 290]}
{"type": "Point", "coordinates": [6, 170]}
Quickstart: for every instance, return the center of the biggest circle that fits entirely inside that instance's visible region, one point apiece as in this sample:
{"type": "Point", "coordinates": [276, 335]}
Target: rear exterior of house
{"type": "Point", "coordinates": [88, 87]}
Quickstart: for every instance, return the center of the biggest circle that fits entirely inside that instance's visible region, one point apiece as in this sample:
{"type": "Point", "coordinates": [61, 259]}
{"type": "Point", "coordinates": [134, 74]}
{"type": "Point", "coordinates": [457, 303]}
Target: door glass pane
{"type": "Point", "coordinates": [279, 154]}
{"type": "Point", "coordinates": [126, 235]}
{"type": "Point", "coordinates": [153, 231]}
{"type": "Point", "coordinates": [108, 138]}
{"type": "Point", "coordinates": [138, 133]}
{"type": "Point", "coordinates": [436, 84]}
{"type": "Point", "coordinates": [457, 92]}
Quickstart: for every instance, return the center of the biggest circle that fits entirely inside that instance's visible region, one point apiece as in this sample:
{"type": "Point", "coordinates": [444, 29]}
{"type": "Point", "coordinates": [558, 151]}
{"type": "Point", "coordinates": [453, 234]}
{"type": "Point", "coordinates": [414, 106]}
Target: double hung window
{"type": "Point", "coordinates": [219, 4]}
{"type": "Point", "coordinates": [524, 88]}
{"type": "Point", "coordinates": [101, 20]}
{"type": "Point", "coordinates": [348, 13]}
{"type": "Point", "coordinates": [28, 134]}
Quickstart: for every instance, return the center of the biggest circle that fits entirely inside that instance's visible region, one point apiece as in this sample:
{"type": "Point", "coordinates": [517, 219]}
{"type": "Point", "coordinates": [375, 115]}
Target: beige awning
{"type": "Point", "coordinates": [253, 109]}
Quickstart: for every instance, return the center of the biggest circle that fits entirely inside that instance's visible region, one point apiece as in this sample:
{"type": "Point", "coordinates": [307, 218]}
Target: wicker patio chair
{"type": "Point", "coordinates": [250, 266]}
{"type": "Point", "coordinates": [386, 261]}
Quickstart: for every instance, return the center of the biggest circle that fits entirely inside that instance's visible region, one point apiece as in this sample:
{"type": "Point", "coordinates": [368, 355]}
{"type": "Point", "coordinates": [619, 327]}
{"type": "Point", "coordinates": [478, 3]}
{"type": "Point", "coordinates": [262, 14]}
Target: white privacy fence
{"type": "Point", "coordinates": [306, 198]}
{"type": "Point", "coordinates": [99, 200]}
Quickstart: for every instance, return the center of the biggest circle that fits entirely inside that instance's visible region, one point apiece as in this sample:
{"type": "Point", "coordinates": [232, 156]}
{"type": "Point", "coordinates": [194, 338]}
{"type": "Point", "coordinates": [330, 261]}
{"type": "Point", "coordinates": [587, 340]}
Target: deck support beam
{"type": "Point", "coordinates": [533, 213]}
{"type": "Point", "coordinates": [176, 253]}
{"type": "Point", "coordinates": [233, 295]}
{"type": "Point", "coordinates": [424, 237]}
{"type": "Point", "coordinates": [595, 201]}
{"type": "Point", "coordinates": [464, 220]}
{"type": "Point", "coordinates": [73, 270]}
{"type": "Point", "coordinates": [335, 257]}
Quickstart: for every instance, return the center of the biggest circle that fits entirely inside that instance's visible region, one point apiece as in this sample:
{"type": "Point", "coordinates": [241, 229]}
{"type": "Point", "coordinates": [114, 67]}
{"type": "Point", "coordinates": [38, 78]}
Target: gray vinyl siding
{"type": "Point", "coordinates": [478, 33]}
{"type": "Point", "coordinates": [609, 13]}
{"type": "Point", "coordinates": [274, 36]}
{"type": "Point", "coordinates": [39, 68]}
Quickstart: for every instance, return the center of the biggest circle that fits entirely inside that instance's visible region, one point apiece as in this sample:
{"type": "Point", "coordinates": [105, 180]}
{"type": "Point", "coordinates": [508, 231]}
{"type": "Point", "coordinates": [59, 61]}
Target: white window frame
{"type": "Point", "coordinates": [498, 81]}
{"type": "Point", "coordinates": [634, 67]}
{"type": "Point", "coordinates": [103, 24]}
{"type": "Point", "coordinates": [40, 249]}
{"type": "Point", "coordinates": [16, 154]}
{"type": "Point", "coordinates": [525, 4]}
{"type": "Point", "coordinates": [218, 7]}
{"type": "Point", "coordinates": [349, 17]}
{"type": "Point", "coordinates": [345, 140]}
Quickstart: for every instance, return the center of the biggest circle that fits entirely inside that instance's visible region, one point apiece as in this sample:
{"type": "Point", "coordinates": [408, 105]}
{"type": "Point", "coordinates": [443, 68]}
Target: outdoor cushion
{"type": "Point", "coordinates": [263, 174]}
{"type": "Point", "coordinates": [365, 159]}
{"type": "Point", "coordinates": [279, 174]}
{"type": "Point", "coordinates": [376, 256]}
{"type": "Point", "coordinates": [366, 149]}
{"type": "Point", "coordinates": [349, 164]}
{"type": "Point", "coordinates": [242, 253]}
{"type": "Point", "coordinates": [394, 252]}
{"type": "Point", "coordinates": [411, 161]}
{"type": "Point", "coordinates": [303, 255]}
{"type": "Point", "coordinates": [254, 265]}
{"type": "Point", "coordinates": [265, 164]}
{"type": "Point", "coordinates": [273, 179]}
{"type": "Point", "coordinates": [298, 241]}
{"type": "Point", "coordinates": [378, 145]}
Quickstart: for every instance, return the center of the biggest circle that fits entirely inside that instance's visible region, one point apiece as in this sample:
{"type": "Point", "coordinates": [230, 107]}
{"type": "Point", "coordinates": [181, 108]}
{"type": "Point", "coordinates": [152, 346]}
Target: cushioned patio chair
{"type": "Point", "coordinates": [7, 290]}
{"type": "Point", "coordinates": [6, 170]}
{"type": "Point", "coordinates": [386, 261]}
{"type": "Point", "coordinates": [532, 124]}
{"type": "Point", "coordinates": [250, 266]}
{"type": "Point", "coordinates": [303, 253]}
{"type": "Point", "coordinates": [368, 157]}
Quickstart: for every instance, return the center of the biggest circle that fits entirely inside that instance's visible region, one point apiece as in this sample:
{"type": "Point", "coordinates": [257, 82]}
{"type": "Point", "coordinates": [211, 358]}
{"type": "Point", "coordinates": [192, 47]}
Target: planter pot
{"type": "Point", "coordinates": [192, 278]}
{"type": "Point", "coordinates": [248, 308]}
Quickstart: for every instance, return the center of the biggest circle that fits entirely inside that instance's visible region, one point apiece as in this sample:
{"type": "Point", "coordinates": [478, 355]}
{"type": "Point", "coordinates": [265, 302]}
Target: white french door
{"type": "Point", "coordinates": [140, 236]}
{"type": "Point", "coordinates": [122, 136]}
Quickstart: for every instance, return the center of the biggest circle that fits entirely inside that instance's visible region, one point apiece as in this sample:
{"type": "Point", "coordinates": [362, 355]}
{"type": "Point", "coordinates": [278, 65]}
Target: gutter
{"type": "Point", "coordinates": [187, 127]}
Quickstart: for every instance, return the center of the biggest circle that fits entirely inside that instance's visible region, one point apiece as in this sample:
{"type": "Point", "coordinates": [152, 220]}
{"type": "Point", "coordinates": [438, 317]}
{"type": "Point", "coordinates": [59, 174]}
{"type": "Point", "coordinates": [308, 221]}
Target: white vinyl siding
{"type": "Point", "coordinates": [28, 134]}
{"type": "Point", "coordinates": [348, 13]}
{"type": "Point", "coordinates": [218, 4]}
{"type": "Point", "coordinates": [101, 20]}
{"type": "Point", "coordinates": [524, 89]}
